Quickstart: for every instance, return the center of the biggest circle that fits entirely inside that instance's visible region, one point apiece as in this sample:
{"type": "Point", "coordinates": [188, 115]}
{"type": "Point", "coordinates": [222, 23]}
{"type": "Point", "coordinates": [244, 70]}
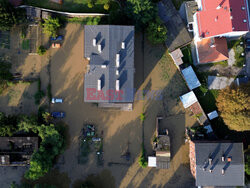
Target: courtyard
{"type": "Point", "coordinates": [121, 131]}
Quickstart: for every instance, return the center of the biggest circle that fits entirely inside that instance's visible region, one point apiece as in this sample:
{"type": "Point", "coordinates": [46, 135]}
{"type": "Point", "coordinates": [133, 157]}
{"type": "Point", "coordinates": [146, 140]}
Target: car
{"type": "Point", "coordinates": [58, 114]}
{"type": "Point", "coordinates": [58, 38]}
{"type": "Point", "coordinates": [56, 100]}
{"type": "Point", "coordinates": [56, 45]}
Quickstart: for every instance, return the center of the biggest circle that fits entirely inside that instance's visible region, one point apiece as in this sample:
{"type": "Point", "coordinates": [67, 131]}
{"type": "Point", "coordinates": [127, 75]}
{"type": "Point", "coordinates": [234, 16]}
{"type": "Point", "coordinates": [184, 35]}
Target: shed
{"type": "Point", "coordinates": [212, 115]}
{"type": "Point", "coordinates": [188, 99]}
{"type": "Point", "coordinates": [177, 56]}
{"type": "Point", "coordinates": [191, 78]}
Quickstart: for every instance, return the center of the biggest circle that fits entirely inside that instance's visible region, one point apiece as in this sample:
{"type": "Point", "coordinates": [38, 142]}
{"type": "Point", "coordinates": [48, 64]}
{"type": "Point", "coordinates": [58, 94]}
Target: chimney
{"type": "Point", "coordinates": [99, 48]}
{"type": "Point", "coordinates": [210, 160]}
{"type": "Point", "coordinates": [117, 72]}
{"type": "Point", "coordinates": [99, 85]}
{"type": "Point", "coordinates": [117, 86]}
{"type": "Point", "coordinates": [123, 45]}
{"type": "Point", "coordinates": [94, 42]}
{"type": "Point", "coordinates": [229, 159]}
{"type": "Point", "coordinates": [222, 171]}
{"type": "Point", "coordinates": [117, 60]}
{"type": "Point", "coordinates": [210, 170]}
{"type": "Point", "coordinates": [204, 169]}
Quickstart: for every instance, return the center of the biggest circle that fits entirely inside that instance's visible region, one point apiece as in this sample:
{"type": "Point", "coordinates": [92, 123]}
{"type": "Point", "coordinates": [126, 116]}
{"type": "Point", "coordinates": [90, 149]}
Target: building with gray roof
{"type": "Point", "coordinates": [110, 73]}
{"type": "Point", "coordinates": [217, 163]}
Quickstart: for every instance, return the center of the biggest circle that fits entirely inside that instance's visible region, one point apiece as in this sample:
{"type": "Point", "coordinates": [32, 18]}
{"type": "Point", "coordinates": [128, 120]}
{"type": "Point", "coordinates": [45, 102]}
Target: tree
{"type": "Point", "coordinates": [41, 50]}
{"type": "Point", "coordinates": [42, 161]}
{"type": "Point", "coordinates": [233, 104]}
{"type": "Point", "coordinates": [142, 12]}
{"type": "Point", "coordinates": [156, 32]}
{"type": "Point", "coordinates": [143, 160]}
{"type": "Point", "coordinates": [5, 73]}
{"type": "Point", "coordinates": [9, 16]}
{"type": "Point", "coordinates": [50, 26]}
{"type": "Point", "coordinates": [27, 123]}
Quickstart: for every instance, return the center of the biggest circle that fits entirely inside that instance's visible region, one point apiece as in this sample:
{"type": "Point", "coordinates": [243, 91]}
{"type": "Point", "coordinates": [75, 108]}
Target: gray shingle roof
{"type": "Point", "coordinates": [110, 37]}
{"type": "Point", "coordinates": [234, 170]}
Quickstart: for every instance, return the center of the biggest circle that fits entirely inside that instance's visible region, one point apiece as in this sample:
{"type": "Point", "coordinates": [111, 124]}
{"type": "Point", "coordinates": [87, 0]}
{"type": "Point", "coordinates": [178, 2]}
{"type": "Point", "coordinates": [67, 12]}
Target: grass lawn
{"type": "Point", "coordinates": [238, 49]}
{"type": "Point", "coordinates": [26, 44]}
{"type": "Point", "coordinates": [73, 5]}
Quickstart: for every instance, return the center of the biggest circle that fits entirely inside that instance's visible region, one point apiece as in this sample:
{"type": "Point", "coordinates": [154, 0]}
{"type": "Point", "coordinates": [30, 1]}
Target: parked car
{"type": "Point", "coordinates": [58, 114]}
{"type": "Point", "coordinates": [58, 38]}
{"type": "Point", "coordinates": [56, 45]}
{"type": "Point", "coordinates": [56, 100]}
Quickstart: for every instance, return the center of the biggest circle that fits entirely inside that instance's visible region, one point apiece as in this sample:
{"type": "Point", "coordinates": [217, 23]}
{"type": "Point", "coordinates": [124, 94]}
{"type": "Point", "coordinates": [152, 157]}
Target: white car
{"type": "Point", "coordinates": [56, 100]}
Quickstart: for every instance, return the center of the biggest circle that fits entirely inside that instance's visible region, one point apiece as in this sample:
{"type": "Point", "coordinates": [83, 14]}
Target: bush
{"type": "Point", "coordinates": [143, 160]}
{"type": "Point", "coordinates": [41, 50]}
{"type": "Point", "coordinates": [90, 4]}
{"type": "Point", "coordinates": [92, 20]}
{"type": "Point", "coordinates": [247, 165]}
{"type": "Point", "coordinates": [142, 117]}
{"type": "Point", "coordinates": [39, 94]}
{"type": "Point", "coordinates": [106, 6]}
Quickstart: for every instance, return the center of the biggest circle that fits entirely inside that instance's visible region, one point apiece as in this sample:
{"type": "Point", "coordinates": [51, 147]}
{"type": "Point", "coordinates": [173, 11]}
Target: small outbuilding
{"type": "Point", "coordinates": [191, 78]}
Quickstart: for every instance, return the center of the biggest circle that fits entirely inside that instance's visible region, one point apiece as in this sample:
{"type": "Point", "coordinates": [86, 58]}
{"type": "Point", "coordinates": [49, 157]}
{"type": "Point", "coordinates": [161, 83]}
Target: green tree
{"type": "Point", "coordinates": [42, 161]}
{"type": "Point", "coordinates": [50, 26]}
{"type": "Point", "coordinates": [233, 104]}
{"type": "Point", "coordinates": [141, 12]}
{"type": "Point", "coordinates": [9, 16]}
{"type": "Point", "coordinates": [143, 160]}
{"type": "Point", "coordinates": [156, 32]}
{"type": "Point", "coordinates": [5, 73]}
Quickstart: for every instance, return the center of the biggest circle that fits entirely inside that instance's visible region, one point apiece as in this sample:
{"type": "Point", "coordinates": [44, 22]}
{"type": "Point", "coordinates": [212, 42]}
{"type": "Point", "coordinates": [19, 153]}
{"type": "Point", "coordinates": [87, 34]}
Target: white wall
{"type": "Point", "coordinates": [195, 28]}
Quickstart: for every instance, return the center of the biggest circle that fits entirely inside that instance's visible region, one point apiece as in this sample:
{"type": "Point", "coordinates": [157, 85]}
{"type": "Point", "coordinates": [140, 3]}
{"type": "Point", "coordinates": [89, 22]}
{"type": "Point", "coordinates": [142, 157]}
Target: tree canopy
{"type": "Point", "coordinates": [144, 14]}
{"type": "Point", "coordinates": [156, 32]}
{"type": "Point", "coordinates": [52, 145]}
{"type": "Point", "coordinates": [50, 26]}
{"type": "Point", "coordinates": [247, 165]}
{"type": "Point", "coordinates": [233, 105]}
{"type": "Point", "coordinates": [9, 16]}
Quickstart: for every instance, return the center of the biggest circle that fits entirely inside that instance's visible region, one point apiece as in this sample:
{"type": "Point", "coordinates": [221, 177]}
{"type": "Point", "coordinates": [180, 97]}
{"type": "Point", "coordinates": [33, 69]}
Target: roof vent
{"type": "Point", "coordinates": [218, 7]}
{"type": "Point", "coordinates": [243, 8]}
{"type": "Point", "coordinates": [204, 169]}
{"type": "Point", "coordinates": [104, 66]}
{"type": "Point", "coordinates": [210, 170]}
{"type": "Point", "coordinates": [222, 171]}
{"type": "Point", "coordinates": [2, 159]}
{"type": "Point", "coordinates": [99, 85]}
{"type": "Point", "coordinates": [117, 72]}
{"type": "Point", "coordinates": [94, 42]}
{"type": "Point", "coordinates": [244, 20]}
{"type": "Point", "coordinates": [117, 85]}
{"type": "Point", "coordinates": [123, 45]}
{"type": "Point", "coordinates": [99, 48]}
{"type": "Point", "coordinates": [210, 160]}
{"type": "Point", "coordinates": [117, 60]}
{"type": "Point", "coordinates": [231, 17]}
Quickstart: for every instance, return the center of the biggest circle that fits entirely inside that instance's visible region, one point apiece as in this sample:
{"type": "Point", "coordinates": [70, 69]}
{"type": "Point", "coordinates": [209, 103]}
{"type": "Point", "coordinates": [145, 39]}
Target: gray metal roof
{"type": "Point", "coordinates": [191, 78]}
{"type": "Point", "coordinates": [233, 171]}
{"type": "Point", "coordinates": [191, 8]}
{"type": "Point", "coordinates": [110, 37]}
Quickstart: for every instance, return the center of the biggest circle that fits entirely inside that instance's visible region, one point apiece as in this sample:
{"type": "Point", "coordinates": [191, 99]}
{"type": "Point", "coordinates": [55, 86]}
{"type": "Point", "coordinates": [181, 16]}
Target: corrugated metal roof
{"type": "Point", "coordinates": [191, 78]}
{"type": "Point", "coordinates": [233, 170]}
{"type": "Point", "coordinates": [188, 99]}
{"type": "Point", "coordinates": [103, 65]}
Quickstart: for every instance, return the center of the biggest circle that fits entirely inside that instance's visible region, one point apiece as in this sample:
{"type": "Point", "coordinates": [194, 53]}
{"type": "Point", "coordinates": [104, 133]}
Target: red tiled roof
{"type": "Point", "coordinates": [215, 17]}
{"type": "Point", "coordinates": [212, 50]}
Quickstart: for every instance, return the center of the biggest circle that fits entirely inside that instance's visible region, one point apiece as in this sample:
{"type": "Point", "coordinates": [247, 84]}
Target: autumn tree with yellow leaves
{"type": "Point", "coordinates": [234, 106]}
